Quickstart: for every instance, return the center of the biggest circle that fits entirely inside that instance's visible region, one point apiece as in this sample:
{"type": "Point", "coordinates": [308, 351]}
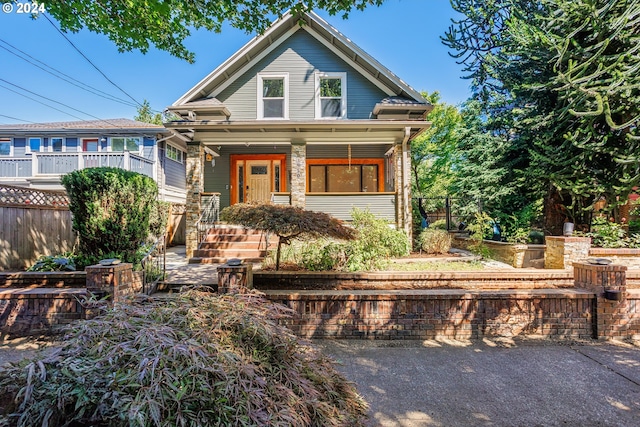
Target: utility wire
{"type": "Point", "coordinates": [40, 102]}
{"type": "Point", "coordinates": [89, 61]}
{"type": "Point", "coordinates": [66, 77]}
{"type": "Point", "coordinates": [15, 118]}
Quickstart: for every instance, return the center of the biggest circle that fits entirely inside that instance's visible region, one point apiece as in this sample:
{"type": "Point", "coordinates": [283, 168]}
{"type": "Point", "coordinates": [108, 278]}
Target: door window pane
{"type": "Point", "coordinates": [259, 170]}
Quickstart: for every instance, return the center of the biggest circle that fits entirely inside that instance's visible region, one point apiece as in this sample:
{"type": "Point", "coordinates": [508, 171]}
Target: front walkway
{"type": "Point", "coordinates": [181, 273]}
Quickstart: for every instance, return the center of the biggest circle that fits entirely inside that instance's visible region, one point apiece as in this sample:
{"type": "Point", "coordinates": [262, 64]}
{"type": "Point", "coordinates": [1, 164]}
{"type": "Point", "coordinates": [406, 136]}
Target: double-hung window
{"type": "Point", "coordinates": [331, 95]}
{"type": "Point", "coordinates": [131, 144]}
{"type": "Point", "coordinates": [57, 145]}
{"type": "Point", "coordinates": [34, 145]}
{"type": "Point", "coordinates": [273, 96]}
{"type": "Point", "coordinates": [5, 146]}
{"type": "Point", "coordinates": [174, 153]}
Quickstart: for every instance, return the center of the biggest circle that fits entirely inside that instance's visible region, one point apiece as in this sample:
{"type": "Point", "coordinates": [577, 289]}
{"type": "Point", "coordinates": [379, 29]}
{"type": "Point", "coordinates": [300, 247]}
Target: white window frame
{"type": "Point", "coordinates": [343, 99]}
{"type": "Point", "coordinates": [27, 147]}
{"type": "Point", "coordinates": [285, 106]}
{"type": "Point", "coordinates": [10, 140]}
{"type": "Point", "coordinates": [124, 144]}
{"type": "Point", "coordinates": [179, 153]}
{"type": "Point", "coordinates": [50, 145]}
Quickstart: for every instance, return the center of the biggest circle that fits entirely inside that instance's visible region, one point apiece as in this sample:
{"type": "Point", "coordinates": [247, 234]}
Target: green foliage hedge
{"type": "Point", "coordinates": [114, 212]}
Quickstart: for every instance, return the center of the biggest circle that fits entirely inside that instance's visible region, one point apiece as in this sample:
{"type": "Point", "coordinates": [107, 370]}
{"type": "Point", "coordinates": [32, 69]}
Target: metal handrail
{"type": "Point", "coordinates": [154, 265]}
{"type": "Point", "coordinates": [209, 217]}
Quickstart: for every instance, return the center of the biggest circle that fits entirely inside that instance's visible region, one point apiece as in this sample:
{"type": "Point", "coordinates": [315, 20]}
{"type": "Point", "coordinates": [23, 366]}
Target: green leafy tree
{"type": "Point", "coordinates": [167, 23]}
{"type": "Point", "coordinates": [286, 222]}
{"type": "Point", "coordinates": [434, 152]}
{"type": "Point", "coordinates": [558, 82]}
{"type": "Point", "coordinates": [146, 115]}
{"type": "Point", "coordinates": [111, 210]}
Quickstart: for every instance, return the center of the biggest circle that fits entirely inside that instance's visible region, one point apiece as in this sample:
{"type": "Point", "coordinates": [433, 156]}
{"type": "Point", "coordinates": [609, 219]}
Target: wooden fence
{"type": "Point", "coordinates": [33, 223]}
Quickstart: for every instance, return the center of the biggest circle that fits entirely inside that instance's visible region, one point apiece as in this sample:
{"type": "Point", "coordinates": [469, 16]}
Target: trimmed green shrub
{"type": "Point", "coordinates": [196, 360]}
{"type": "Point", "coordinates": [434, 241]}
{"type": "Point", "coordinates": [111, 211]}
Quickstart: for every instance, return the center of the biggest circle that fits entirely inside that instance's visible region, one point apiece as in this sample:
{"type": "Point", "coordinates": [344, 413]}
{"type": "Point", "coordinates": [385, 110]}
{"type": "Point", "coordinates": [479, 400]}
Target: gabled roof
{"type": "Point", "coordinates": [84, 125]}
{"type": "Point", "coordinates": [279, 32]}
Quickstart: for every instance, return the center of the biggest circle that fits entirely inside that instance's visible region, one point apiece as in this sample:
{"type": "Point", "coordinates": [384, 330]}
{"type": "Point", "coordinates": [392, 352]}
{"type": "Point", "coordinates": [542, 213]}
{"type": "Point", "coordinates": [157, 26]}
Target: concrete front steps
{"type": "Point", "coordinates": [227, 241]}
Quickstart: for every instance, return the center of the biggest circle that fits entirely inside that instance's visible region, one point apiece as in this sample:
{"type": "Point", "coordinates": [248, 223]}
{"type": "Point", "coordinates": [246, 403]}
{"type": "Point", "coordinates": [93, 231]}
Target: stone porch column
{"type": "Point", "coordinates": [195, 185]}
{"type": "Point", "coordinates": [402, 162]}
{"type": "Point", "coordinates": [298, 173]}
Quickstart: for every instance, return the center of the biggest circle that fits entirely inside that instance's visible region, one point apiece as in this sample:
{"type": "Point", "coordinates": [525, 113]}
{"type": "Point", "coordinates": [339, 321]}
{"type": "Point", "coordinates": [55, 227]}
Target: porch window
{"type": "Point", "coordinates": [57, 145]}
{"type": "Point", "coordinates": [34, 145]}
{"type": "Point", "coordinates": [345, 178]}
{"type": "Point", "coordinates": [273, 96]}
{"type": "Point", "coordinates": [126, 144]}
{"type": "Point", "coordinates": [174, 153]}
{"type": "Point", "coordinates": [5, 146]}
{"type": "Point", "coordinates": [331, 95]}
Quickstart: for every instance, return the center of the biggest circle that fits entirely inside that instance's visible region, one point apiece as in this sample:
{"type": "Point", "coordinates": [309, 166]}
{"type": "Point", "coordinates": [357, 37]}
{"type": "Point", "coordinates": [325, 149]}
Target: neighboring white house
{"type": "Point", "coordinates": [300, 115]}
{"type": "Point", "coordinates": [36, 155]}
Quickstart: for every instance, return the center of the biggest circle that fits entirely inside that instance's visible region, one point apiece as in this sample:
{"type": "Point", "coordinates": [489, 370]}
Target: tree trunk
{"type": "Point", "coordinates": [278, 253]}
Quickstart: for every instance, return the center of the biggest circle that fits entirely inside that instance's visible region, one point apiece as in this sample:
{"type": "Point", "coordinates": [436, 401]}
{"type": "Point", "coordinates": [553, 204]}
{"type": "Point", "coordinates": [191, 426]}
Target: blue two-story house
{"type": "Point", "coordinates": [36, 155]}
{"type": "Point", "coordinates": [300, 115]}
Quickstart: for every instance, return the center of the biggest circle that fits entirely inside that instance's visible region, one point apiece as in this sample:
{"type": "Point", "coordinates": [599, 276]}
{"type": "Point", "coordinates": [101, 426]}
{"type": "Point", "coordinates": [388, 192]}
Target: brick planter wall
{"type": "Point", "coordinates": [429, 314]}
{"type": "Point", "coordinates": [38, 311]}
{"type": "Point", "coordinates": [28, 279]}
{"type": "Point", "coordinates": [516, 255]}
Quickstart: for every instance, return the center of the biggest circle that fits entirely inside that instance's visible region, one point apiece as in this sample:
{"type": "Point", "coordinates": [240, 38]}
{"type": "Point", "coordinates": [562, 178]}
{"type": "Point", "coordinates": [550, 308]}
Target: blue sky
{"type": "Point", "coordinates": [404, 35]}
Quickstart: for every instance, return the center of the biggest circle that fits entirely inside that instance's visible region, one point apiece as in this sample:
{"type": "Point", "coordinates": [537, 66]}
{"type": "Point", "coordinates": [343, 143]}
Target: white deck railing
{"type": "Point", "coordinates": [55, 164]}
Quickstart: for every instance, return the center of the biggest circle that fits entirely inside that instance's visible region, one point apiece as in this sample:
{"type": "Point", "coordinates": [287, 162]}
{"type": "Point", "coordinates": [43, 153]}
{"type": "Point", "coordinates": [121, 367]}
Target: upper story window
{"type": "Point", "coordinates": [273, 96]}
{"type": "Point", "coordinates": [331, 95]}
{"type": "Point", "coordinates": [174, 153]}
{"type": "Point", "coordinates": [132, 144]}
{"type": "Point", "coordinates": [57, 145]}
{"type": "Point", "coordinates": [5, 146]}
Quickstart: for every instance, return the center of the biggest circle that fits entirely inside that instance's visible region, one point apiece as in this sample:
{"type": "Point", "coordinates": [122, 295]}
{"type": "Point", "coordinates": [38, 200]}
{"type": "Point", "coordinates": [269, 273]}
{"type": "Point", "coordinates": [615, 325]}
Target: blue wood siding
{"type": "Point", "coordinates": [72, 144]}
{"type": "Point", "coordinates": [175, 173]}
{"type": "Point", "coordinates": [148, 145]}
{"type": "Point", "coordinates": [19, 147]}
{"type": "Point", "coordinates": [301, 56]}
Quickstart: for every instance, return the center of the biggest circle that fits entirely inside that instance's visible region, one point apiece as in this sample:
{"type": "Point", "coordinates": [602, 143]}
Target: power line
{"type": "Point", "coordinates": [15, 118]}
{"type": "Point", "coordinates": [40, 102]}
{"type": "Point", "coordinates": [68, 79]}
{"type": "Point", "coordinates": [89, 61]}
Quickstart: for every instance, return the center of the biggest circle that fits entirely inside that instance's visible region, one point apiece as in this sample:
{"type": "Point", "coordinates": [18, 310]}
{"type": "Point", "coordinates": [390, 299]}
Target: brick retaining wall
{"type": "Point", "coordinates": [504, 279]}
{"type": "Point", "coordinates": [33, 279]}
{"type": "Point", "coordinates": [433, 314]}
{"type": "Point", "coordinates": [38, 311]}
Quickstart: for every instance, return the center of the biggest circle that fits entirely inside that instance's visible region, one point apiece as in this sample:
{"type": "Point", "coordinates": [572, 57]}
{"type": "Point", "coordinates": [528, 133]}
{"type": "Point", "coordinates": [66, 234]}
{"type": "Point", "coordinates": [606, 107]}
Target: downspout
{"type": "Point", "coordinates": [406, 212]}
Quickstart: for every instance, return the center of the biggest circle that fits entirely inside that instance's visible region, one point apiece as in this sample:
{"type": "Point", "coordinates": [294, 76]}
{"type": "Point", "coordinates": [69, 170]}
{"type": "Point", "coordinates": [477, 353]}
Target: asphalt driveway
{"type": "Point", "coordinates": [530, 383]}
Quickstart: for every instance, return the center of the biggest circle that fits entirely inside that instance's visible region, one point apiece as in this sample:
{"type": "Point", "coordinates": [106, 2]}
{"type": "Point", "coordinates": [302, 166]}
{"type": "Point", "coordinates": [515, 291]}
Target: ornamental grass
{"type": "Point", "coordinates": [196, 360]}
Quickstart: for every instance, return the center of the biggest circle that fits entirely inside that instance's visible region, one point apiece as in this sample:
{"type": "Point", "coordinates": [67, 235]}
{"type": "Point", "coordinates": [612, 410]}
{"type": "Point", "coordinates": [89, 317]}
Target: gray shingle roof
{"type": "Point", "coordinates": [106, 124]}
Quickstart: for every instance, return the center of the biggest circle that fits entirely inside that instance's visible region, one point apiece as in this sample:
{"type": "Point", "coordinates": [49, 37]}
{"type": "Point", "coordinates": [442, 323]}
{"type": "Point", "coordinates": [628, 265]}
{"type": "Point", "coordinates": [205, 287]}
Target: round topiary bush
{"type": "Point", "coordinates": [197, 360]}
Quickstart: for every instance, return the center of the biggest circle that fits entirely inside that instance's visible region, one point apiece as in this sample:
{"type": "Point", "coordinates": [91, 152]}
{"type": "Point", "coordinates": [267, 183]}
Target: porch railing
{"type": "Point", "coordinates": [340, 205]}
{"type": "Point", "coordinates": [53, 164]}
